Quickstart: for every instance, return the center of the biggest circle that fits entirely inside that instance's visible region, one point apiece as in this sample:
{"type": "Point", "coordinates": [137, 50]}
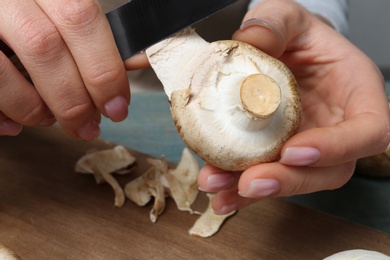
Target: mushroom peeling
{"type": "Point", "coordinates": [209, 223]}
{"type": "Point", "coordinates": [103, 163]}
{"type": "Point", "coordinates": [232, 104]}
{"type": "Point", "coordinates": [160, 181]}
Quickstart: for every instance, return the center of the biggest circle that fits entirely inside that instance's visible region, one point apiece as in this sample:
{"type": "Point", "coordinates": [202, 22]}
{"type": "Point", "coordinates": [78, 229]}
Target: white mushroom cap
{"type": "Point", "coordinates": [232, 104]}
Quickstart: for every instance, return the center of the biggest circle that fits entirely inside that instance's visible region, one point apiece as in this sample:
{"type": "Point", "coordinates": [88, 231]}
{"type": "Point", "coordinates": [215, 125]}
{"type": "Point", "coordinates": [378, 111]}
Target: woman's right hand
{"type": "Point", "coordinates": [68, 50]}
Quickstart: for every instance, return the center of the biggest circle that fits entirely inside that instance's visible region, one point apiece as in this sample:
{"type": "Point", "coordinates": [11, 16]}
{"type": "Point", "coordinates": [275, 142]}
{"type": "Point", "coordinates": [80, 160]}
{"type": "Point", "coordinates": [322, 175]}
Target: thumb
{"type": "Point", "coordinates": [273, 26]}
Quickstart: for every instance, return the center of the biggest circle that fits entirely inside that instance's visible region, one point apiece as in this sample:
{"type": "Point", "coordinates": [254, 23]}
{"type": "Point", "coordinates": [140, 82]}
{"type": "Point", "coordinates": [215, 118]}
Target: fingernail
{"type": "Point", "coordinates": [89, 132]}
{"type": "Point", "coordinates": [10, 127]}
{"type": "Point", "coordinates": [117, 108]}
{"type": "Point", "coordinates": [255, 22]}
{"type": "Point", "coordinates": [261, 188]}
{"type": "Point", "coordinates": [227, 209]}
{"type": "Point", "coordinates": [217, 182]}
{"type": "Point", "coordinates": [300, 156]}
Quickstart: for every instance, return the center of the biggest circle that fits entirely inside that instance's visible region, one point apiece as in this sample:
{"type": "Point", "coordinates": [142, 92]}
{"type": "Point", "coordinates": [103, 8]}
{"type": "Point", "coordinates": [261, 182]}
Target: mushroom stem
{"type": "Point", "coordinates": [260, 95]}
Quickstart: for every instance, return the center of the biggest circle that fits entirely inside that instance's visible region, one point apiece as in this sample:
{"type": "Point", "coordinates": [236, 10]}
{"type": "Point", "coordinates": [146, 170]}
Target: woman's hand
{"type": "Point", "coordinates": [345, 110]}
{"type": "Point", "coordinates": [68, 49]}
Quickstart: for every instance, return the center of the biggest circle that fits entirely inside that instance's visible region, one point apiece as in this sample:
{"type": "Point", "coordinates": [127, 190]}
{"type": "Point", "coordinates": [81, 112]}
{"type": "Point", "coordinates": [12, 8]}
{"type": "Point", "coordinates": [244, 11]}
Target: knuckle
{"type": "Point", "coordinates": [345, 175]}
{"type": "Point", "coordinates": [32, 115]}
{"type": "Point", "coordinates": [80, 13]}
{"type": "Point", "coordinates": [101, 75]}
{"type": "Point", "coordinates": [300, 187]}
{"type": "Point", "coordinates": [40, 38]}
{"type": "Point", "coordinates": [72, 112]}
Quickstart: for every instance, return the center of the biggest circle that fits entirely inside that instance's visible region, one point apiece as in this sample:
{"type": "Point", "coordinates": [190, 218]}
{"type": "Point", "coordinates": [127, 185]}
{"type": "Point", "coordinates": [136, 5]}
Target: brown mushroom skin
{"type": "Point", "coordinates": [220, 155]}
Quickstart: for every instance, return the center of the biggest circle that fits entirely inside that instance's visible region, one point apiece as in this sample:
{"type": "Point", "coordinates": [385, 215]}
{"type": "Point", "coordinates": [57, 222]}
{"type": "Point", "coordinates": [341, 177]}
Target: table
{"type": "Point", "coordinates": [47, 211]}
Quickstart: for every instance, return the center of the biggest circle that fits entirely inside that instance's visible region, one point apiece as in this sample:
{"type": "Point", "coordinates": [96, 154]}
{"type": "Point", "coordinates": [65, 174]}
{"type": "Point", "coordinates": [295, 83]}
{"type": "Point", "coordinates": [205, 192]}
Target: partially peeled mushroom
{"type": "Point", "coordinates": [232, 104]}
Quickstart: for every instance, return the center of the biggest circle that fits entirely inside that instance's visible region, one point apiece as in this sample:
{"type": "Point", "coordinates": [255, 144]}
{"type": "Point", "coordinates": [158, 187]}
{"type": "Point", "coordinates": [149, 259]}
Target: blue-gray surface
{"type": "Point", "coordinates": [149, 129]}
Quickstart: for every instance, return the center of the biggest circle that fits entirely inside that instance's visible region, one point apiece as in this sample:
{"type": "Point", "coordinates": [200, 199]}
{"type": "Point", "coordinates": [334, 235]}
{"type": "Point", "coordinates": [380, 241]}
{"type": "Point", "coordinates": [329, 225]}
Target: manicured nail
{"type": "Point", "coordinates": [218, 182]}
{"type": "Point", "coordinates": [117, 108]}
{"type": "Point", "coordinates": [255, 22]}
{"type": "Point", "coordinates": [10, 127]}
{"type": "Point", "coordinates": [89, 132]}
{"type": "Point", "coordinates": [300, 156]}
{"type": "Point", "coordinates": [261, 188]}
{"type": "Point", "coordinates": [227, 209]}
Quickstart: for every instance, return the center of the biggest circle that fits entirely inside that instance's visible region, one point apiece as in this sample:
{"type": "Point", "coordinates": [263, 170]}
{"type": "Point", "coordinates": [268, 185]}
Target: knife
{"type": "Point", "coordinates": [139, 24]}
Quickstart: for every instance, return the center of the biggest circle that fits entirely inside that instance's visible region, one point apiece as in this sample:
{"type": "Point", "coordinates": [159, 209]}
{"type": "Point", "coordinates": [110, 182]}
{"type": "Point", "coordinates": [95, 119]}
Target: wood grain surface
{"type": "Point", "coordinates": [47, 211]}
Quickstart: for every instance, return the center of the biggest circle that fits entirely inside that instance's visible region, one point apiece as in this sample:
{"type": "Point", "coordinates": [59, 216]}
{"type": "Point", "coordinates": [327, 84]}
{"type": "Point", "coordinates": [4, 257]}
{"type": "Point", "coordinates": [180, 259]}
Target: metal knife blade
{"type": "Point", "coordinates": [139, 24]}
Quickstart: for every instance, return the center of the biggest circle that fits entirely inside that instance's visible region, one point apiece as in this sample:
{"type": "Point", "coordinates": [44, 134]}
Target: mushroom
{"type": "Point", "coordinates": [208, 223]}
{"type": "Point", "coordinates": [232, 104]}
{"type": "Point", "coordinates": [358, 254]}
{"type": "Point", "coordinates": [102, 163]}
{"type": "Point", "coordinates": [7, 254]}
{"type": "Point", "coordinates": [160, 181]}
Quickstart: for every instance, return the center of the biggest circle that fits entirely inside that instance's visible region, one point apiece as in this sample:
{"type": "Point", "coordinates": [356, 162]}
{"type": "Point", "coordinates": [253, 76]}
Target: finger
{"type": "Point", "coordinates": [19, 100]}
{"type": "Point", "coordinates": [272, 25]}
{"type": "Point", "coordinates": [276, 179]}
{"type": "Point", "coordinates": [85, 29]}
{"type": "Point", "coordinates": [363, 129]}
{"type": "Point", "coordinates": [227, 201]}
{"type": "Point", "coordinates": [138, 61]}
{"type": "Point", "coordinates": [355, 138]}
{"type": "Point", "coordinates": [8, 126]}
{"type": "Point", "coordinates": [41, 49]}
{"type": "Point", "coordinates": [213, 179]}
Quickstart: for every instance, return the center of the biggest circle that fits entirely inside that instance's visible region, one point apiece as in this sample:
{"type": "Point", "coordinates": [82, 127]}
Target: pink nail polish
{"type": "Point", "coordinates": [217, 182]}
{"type": "Point", "coordinates": [116, 109]}
{"type": "Point", "coordinates": [261, 188]}
{"type": "Point", "coordinates": [90, 131]}
{"type": "Point", "coordinates": [227, 209]}
{"type": "Point", "coordinates": [10, 127]}
{"type": "Point", "coordinates": [255, 22]}
{"type": "Point", "coordinates": [300, 156]}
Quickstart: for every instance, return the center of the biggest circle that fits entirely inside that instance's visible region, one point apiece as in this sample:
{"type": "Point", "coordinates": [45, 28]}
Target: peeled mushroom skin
{"type": "Point", "coordinates": [103, 163]}
{"type": "Point", "coordinates": [208, 223]}
{"type": "Point", "coordinates": [185, 176]}
{"type": "Point", "coordinates": [109, 161]}
{"type": "Point", "coordinates": [232, 104]}
{"type": "Point", "coordinates": [160, 181]}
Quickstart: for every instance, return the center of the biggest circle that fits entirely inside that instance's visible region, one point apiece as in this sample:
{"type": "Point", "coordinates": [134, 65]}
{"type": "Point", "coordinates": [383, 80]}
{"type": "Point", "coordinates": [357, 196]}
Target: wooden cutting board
{"type": "Point", "coordinates": [47, 211]}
